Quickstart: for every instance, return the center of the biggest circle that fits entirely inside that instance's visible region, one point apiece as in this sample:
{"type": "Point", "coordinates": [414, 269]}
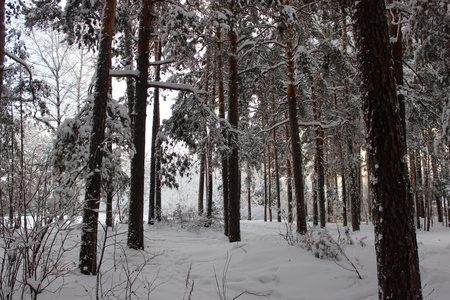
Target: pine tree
{"type": "Point", "coordinates": [88, 251]}
{"type": "Point", "coordinates": [395, 240]}
{"type": "Point", "coordinates": [136, 204]}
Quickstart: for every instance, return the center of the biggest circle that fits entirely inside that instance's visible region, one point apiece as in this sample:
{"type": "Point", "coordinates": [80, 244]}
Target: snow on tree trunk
{"type": "Point", "coordinates": [234, 188]}
{"type": "Point", "coordinates": [221, 96]}
{"type": "Point", "coordinates": [155, 130]}
{"type": "Point", "coordinates": [296, 147]}
{"type": "Point", "coordinates": [136, 204]}
{"type": "Point", "coordinates": [395, 239]}
{"type": "Point", "coordinates": [88, 251]}
{"type": "Point", "coordinates": [2, 43]}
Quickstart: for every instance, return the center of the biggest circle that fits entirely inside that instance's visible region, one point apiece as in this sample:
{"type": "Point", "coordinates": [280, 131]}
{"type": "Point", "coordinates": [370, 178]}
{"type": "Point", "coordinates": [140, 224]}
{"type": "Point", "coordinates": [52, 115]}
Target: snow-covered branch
{"type": "Point", "coordinates": [175, 86]}
{"type": "Point", "coordinates": [161, 62]}
{"type": "Point", "coordinates": [27, 67]}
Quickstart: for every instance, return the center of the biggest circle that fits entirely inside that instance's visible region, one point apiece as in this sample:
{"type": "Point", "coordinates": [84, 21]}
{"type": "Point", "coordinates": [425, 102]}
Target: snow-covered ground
{"type": "Point", "coordinates": [179, 260]}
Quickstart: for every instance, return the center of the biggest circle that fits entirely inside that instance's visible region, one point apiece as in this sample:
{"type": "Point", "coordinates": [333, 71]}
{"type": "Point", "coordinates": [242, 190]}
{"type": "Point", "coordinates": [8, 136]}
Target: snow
{"type": "Point", "coordinates": [263, 263]}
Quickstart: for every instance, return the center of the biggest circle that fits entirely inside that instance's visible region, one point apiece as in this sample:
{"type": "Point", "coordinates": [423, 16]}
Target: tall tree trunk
{"type": "Point", "coordinates": [319, 161]}
{"type": "Point", "coordinates": [249, 199]}
{"type": "Point", "coordinates": [154, 149]}
{"type": "Point", "coordinates": [413, 174]}
{"type": "Point", "coordinates": [275, 154]}
{"type": "Point", "coordinates": [205, 154]}
{"type": "Point", "coordinates": [136, 203]}
{"type": "Point", "coordinates": [234, 188]}
{"type": "Point", "coordinates": [289, 179]}
{"type": "Point", "coordinates": [88, 251]}
{"type": "Point", "coordinates": [315, 187]}
{"type": "Point", "coordinates": [426, 164]}
{"type": "Point", "coordinates": [395, 239]}
{"type": "Point", "coordinates": [296, 147]}
{"type": "Point", "coordinates": [269, 187]}
{"type": "Point", "coordinates": [344, 192]}
{"type": "Point", "coordinates": [209, 196]}
{"type": "Point", "coordinates": [201, 184]}
{"type": "Point", "coordinates": [109, 193]}
{"type": "Point", "coordinates": [265, 188]}
{"type": "Point", "coordinates": [437, 197]}
{"type": "Point", "coordinates": [2, 44]}
{"type": "Point", "coordinates": [354, 197]}
{"type": "Point", "coordinates": [221, 96]}
{"type": "Point", "coordinates": [128, 40]}
{"type": "Point", "coordinates": [158, 207]}
{"type": "Point", "coordinates": [419, 184]}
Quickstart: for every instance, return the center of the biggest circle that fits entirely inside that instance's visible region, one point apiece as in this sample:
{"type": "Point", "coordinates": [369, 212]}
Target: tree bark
{"type": "Point", "coordinates": [289, 179]}
{"type": "Point", "coordinates": [438, 199]}
{"type": "Point", "coordinates": [319, 162]}
{"type": "Point", "coordinates": [296, 148]}
{"type": "Point", "coordinates": [234, 189]}
{"type": "Point", "coordinates": [2, 44]}
{"type": "Point", "coordinates": [413, 174]}
{"type": "Point", "coordinates": [275, 154]}
{"type": "Point", "coordinates": [265, 188]}
{"type": "Point", "coordinates": [201, 185]}
{"type": "Point", "coordinates": [354, 196]}
{"type": "Point", "coordinates": [136, 203]}
{"type": "Point", "coordinates": [269, 186]}
{"type": "Point", "coordinates": [395, 239]}
{"type": "Point", "coordinates": [153, 150]}
{"type": "Point", "coordinates": [88, 251]}
{"type": "Point", "coordinates": [221, 96]}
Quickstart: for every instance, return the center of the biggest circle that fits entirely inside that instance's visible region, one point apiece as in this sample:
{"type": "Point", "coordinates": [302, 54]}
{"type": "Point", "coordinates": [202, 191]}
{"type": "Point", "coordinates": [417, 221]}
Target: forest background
{"type": "Point", "coordinates": [276, 109]}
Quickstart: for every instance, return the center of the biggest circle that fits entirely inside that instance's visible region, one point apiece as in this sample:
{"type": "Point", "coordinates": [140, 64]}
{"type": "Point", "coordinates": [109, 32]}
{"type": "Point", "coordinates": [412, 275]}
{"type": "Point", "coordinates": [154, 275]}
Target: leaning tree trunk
{"type": "Point", "coordinates": [395, 238]}
{"type": "Point", "coordinates": [88, 251]}
{"type": "Point", "coordinates": [234, 189]}
{"type": "Point", "coordinates": [136, 204]}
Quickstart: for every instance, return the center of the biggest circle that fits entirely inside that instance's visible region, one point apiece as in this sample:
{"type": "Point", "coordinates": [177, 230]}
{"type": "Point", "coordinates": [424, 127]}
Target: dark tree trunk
{"type": "Point", "coordinates": [2, 43]}
{"type": "Point", "coordinates": [269, 187]}
{"type": "Point", "coordinates": [249, 199]}
{"type": "Point", "coordinates": [88, 251]}
{"type": "Point", "coordinates": [221, 96]}
{"type": "Point", "coordinates": [109, 194]}
{"type": "Point", "coordinates": [315, 197]}
{"type": "Point", "coordinates": [289, 179]}
{"type": "Point", "coordinates": [319, 160]}
{"type": "Point", "coordinates": [419, 185]}
{"type": "Point", "coordinates": [415, 193]}
{"type": "Point", "coordinates": [354, 195]}
{"type": "Point", "coordinates": [265, 188]}
{"type": "Point", "coordinates": [158, 206]}
{"type": "Point", "coordinates": [275, 154]}
{"type": "Point", "coordinates": [234, 188]}
{"type": "Point", "coordinates": [344, 197]}
{"type": "Point", "coordinates": [128, 40]}
{"type": "Point", "coordinates": [209, 198]}
{"type": "Point", "coordinates": [155, 130]}
{"type": "Point", "coordinates": [395, 239]}
{"type": "Point", "coordinates": [296, 147]}
{"type": "Point", "coordinates": [201, 184]}
{"type": "Point", "coordinates": [136, 203]}
{"type": "Point", "coordinates": [426, 166]}
{"type": "Point", "coordinates": [437, 197]}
